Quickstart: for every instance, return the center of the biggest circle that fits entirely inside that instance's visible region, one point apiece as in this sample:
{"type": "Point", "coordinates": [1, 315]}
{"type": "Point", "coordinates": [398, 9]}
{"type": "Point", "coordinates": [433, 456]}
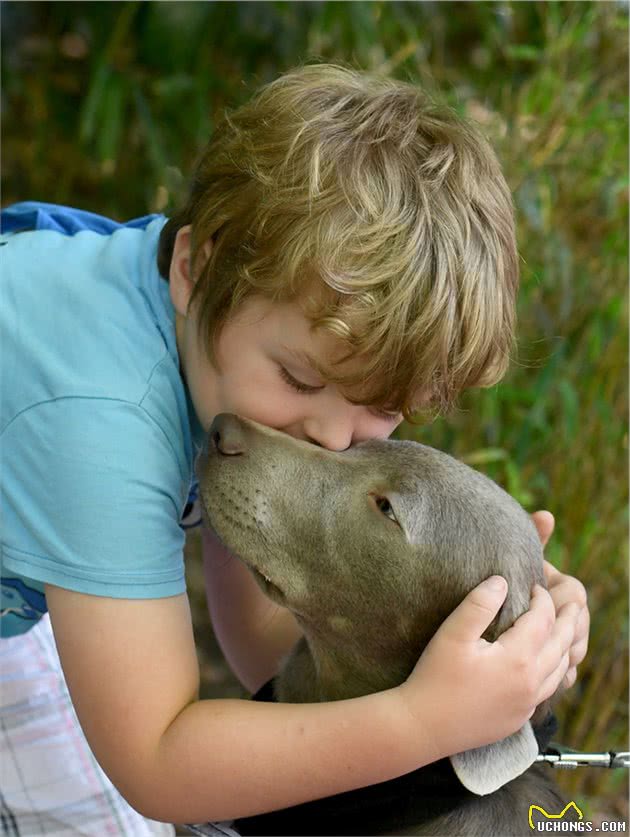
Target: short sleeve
{"type": "Point", "coordinates": [92, 494]}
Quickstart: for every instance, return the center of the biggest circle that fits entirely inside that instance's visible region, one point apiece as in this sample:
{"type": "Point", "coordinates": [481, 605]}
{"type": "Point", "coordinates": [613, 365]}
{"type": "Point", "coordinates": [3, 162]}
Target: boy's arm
{"type": "Point", "coordinates": [132, 672]}
{"type": "Point", "coordinates": [253, 632]}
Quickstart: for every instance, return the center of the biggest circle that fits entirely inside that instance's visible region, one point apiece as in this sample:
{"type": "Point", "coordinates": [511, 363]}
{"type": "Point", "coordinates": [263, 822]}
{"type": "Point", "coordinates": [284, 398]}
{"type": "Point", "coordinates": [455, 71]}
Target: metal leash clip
{"type": "Point", "coordinates": [570, 759]}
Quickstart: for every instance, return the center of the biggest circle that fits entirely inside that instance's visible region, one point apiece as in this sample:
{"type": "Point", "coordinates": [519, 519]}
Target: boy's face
{"type": "Point", "coordinates": [263, 372]}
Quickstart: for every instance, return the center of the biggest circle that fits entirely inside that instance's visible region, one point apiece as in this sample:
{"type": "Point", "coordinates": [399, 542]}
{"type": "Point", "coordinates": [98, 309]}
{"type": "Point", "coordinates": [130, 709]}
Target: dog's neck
{"type": "Point", "coordinates": [313, 673]}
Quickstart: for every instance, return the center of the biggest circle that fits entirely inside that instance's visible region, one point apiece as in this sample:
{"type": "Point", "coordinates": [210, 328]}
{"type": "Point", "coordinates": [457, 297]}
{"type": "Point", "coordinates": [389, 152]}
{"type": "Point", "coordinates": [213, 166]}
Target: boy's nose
{"type": "Point", "coordinates": [332, 435]}
{"type": "Point", "coordinates": [227, 435]}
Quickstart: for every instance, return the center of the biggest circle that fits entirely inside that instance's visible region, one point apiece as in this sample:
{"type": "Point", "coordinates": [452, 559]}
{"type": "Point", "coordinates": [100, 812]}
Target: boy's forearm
{"type": "Point", "coordinates": [225, 759]}
{"type": "Point", "coordinates": [253, 632]}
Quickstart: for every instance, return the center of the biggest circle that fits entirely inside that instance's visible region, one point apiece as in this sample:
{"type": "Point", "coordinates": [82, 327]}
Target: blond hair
{"type": "Point", "coordinates": [390, 199]}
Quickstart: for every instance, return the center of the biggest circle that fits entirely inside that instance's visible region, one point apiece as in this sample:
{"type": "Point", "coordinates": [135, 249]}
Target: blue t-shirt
{"type": "Point", "coordinates": [98, 436]}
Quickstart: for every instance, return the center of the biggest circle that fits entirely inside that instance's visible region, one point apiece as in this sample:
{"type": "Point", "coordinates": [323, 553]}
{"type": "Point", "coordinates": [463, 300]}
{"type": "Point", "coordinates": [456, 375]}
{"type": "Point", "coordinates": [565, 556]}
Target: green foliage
{"type": "Point", "coordinates": [107, 105]}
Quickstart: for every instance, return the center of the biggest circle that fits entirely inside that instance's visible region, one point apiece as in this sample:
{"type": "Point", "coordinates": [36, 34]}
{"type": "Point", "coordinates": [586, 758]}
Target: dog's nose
{"type": "Point", "coordinates": [227, 436]}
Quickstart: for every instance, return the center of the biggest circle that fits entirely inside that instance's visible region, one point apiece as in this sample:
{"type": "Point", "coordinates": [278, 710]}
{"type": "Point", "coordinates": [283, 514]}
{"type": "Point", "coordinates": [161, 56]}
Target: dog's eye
{"type": "Point", "coordinates": [385, 506]}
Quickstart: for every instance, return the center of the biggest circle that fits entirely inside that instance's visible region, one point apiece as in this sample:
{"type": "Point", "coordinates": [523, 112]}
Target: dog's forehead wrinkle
{"type": "Point", "coordinates": [400, 457]}
{"type": "Point", "coordinates": [470, 499]}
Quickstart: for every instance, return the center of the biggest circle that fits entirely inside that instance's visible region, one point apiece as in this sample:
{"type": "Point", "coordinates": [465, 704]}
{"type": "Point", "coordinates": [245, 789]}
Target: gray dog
{"type": "Point", "coordinates": [371, 549]}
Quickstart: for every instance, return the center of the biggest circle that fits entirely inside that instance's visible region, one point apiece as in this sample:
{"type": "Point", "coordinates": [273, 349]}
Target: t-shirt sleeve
{"type": "Point", "coordinates": [92, 493]}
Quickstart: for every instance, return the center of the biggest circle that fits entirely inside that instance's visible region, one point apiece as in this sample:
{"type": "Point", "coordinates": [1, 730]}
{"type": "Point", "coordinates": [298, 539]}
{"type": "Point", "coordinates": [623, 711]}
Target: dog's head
{"type": "Point", "coordinates": [371, 549]}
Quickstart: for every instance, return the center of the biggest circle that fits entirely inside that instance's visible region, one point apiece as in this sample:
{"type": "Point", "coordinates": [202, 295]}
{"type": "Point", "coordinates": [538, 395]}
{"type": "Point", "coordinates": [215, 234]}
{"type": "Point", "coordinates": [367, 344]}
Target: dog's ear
{"type": "Point", "coordinates": [486, 769]}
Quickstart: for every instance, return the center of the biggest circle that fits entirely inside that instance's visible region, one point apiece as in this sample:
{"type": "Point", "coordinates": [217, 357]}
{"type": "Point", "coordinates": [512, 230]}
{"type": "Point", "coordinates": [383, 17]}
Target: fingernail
{"type": "Point", "coordinates": [496, 582]}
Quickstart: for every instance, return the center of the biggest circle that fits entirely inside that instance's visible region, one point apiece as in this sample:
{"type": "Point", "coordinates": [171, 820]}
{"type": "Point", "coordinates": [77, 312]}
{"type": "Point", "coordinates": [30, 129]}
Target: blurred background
{"type": "Point", "coordinates": [106, 106]}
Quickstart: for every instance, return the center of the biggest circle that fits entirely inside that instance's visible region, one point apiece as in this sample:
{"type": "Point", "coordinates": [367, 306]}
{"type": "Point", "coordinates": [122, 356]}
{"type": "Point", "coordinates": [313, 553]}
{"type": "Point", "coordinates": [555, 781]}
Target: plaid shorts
{"type": "Point", "coordinates": [50, 783]}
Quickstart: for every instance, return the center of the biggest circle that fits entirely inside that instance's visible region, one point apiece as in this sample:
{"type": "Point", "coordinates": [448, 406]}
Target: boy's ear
{"type": "Point", "coordinates": [181, 275]}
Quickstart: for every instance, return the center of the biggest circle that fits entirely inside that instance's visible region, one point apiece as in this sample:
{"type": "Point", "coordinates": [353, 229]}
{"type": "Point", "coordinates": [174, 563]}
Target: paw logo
{"type": "Point", "coordinates": [559, 816]}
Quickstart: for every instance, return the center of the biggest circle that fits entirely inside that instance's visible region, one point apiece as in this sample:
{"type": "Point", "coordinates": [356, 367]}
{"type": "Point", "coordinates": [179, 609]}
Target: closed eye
{"type": "Point", "coordinates": [308, 389]}
{"type": "Point", "coordinates": [387, 415]}
{"type": "Point", "coordinates": [298, 386]}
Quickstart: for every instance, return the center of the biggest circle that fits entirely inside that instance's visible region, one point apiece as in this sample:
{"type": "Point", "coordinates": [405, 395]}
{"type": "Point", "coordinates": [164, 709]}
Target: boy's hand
{"type": "Point", "coordinates": [473, 692]}
{"type": "Point", "coordinates": [564, 589]}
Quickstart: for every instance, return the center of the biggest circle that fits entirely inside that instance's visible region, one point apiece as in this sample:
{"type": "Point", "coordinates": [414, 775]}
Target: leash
{"type": "Point", "coordinates": [571, 759]}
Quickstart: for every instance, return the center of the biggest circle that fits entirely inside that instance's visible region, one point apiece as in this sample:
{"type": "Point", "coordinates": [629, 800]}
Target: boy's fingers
{"type": "Point", "coordinates": [532, 628]}
{"type": "Point", "coordinates": [551, 573]}
{"type": "Point", "coordinates": [471, 618]}
{"type": "Point", "coordinates": [560, 641]}
{"type": "Point", "coordinates": [544, 523]}
{"type": "Point", "coordinates": [580, 640]}
{"type": "Point", "coordinates": [578, 649]}
{"type": "Point", "coordinates": [569, 678]}
{"type": "Point", "coordinates": [564, 588]}
{"type": "Point", "coordinates": [552, 683]}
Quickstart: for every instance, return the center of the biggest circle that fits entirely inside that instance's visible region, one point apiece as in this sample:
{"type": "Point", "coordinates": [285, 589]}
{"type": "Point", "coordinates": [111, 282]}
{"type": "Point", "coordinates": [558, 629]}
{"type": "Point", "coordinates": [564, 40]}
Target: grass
{"type": "Point", "coordinates": [107, 105]}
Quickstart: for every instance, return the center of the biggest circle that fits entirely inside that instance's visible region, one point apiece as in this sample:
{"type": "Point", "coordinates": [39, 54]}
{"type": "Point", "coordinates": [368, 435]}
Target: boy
{"type": "Point", "coordinates": [346, 256]}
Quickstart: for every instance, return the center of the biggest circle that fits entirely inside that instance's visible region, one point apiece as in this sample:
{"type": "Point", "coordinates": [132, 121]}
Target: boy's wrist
{"type": "Point", "coordinates": [419, 724]}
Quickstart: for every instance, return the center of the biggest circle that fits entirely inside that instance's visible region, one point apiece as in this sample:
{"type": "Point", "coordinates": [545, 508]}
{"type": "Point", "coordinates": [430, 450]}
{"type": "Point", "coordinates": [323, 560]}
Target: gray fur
{"type": "Point", "coordinates": [369, 594]}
